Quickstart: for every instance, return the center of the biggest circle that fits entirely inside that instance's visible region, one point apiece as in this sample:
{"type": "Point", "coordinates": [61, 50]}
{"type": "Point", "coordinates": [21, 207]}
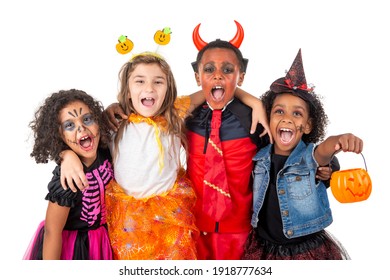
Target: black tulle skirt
{"type": "Point", "coordinates": [321, 246]}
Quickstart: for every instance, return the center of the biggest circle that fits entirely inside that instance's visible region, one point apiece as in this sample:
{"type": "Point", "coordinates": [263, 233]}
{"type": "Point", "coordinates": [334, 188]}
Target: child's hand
{"type": "Point", "coordinates": [349, 143]}
{"type": "Point", "coordinates": [114, 114]}
{"type": "Point", "coordinates": [72, 172]}
{"type": "Point", "coordinates": [324, 173]}
{"type": "Point", "coordinates": [259, 116]}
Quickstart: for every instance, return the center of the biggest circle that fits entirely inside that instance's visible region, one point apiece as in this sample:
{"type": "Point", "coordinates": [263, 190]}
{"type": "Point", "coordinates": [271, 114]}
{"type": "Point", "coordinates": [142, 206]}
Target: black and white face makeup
{"type": "Point", "coordinates": [80, 131]}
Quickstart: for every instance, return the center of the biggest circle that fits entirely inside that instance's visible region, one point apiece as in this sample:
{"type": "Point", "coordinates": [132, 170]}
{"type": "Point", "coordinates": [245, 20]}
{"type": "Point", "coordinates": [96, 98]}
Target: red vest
{"type": "Point", "coordinates": [238, 150]}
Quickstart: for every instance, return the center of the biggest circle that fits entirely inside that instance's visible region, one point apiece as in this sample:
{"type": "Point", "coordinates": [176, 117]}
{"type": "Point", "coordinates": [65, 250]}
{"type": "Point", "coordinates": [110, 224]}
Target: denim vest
{"type": "Point", "coordinates": [304, 204]}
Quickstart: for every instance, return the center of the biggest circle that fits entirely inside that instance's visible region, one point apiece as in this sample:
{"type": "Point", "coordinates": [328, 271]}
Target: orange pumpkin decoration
{"type": "Point", "coordinates": [124, 45]}
{"type": "Point", "coordinates": [163, 37]}
{"type": "Point", "coordinates": [351, 185]}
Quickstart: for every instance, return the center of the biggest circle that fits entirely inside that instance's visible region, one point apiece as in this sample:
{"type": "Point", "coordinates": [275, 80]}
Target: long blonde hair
{"type": "Point", "coordinates": [175, 124]}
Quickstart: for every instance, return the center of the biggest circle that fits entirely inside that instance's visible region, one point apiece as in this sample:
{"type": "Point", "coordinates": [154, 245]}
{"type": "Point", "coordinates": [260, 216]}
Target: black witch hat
{"type": "Point", "coordinates": [294, 81]}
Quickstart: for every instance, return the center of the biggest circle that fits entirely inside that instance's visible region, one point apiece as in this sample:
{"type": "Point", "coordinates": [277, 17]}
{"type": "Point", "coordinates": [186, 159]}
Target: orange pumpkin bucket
{"type": "Point", "coordinates": [351, 185]}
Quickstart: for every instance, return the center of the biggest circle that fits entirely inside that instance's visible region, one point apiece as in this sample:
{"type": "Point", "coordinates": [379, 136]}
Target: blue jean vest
{"type": "Point", "coordinates": [304, 204]}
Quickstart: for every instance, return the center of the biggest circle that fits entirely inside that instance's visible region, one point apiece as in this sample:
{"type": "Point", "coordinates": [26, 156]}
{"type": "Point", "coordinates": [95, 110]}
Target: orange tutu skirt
{"type": "Point", "coordinates": [160, 227]}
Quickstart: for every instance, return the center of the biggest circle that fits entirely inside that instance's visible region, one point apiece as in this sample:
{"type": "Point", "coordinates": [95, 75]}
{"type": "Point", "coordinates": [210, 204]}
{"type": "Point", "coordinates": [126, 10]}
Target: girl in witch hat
{"type": "Point", "coordinates": [291, 207]}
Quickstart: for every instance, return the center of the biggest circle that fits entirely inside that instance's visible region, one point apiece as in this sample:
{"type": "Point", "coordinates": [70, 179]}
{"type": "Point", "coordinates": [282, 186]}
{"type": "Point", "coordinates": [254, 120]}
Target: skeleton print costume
{"type": "Point", "coordinates": [85, 235]}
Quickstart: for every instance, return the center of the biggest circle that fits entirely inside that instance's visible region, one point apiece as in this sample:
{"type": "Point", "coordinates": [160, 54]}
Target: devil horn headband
{"type": "Point", "coordinates": [236, 41]}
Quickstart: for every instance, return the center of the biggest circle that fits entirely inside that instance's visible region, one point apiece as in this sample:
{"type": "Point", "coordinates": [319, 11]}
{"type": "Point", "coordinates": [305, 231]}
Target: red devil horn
{"type": "Point", "coordinates": [237, 40]}
{"type": "Point", "coordinates": [199, 43]}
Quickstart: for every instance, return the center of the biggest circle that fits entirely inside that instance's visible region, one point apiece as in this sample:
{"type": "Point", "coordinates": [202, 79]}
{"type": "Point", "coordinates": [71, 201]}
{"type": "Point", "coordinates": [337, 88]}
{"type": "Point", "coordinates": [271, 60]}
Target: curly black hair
{"type": "Point", "coordinates": [317, 113]}
{"type": "Point", "coordinates": [48, 143]}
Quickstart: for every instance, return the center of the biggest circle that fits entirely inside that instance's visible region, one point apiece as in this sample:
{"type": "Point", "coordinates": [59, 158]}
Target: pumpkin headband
{"type": "Point", "coordinates": [161, 37]}
{"type": "Point", "coordinates": [233, 44]}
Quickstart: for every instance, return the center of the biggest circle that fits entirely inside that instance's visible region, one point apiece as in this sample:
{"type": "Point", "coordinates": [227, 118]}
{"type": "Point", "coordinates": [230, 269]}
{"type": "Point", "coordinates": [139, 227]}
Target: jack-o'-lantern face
{"type": "Point", "coordinates": [124, 45]}
{"type": "Point", "coordinates": [351, 185]}
{"type": "Point", "coordinates": [163, 37]}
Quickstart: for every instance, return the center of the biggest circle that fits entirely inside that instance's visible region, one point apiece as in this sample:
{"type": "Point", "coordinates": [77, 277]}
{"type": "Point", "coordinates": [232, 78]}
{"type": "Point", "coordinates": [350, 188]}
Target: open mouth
{"type": "Point", "coordinates": [148, 101]}
{"type": "Point", "coordinates": [217, 93]}
{"type": "Point", "coordinates": [286, 135]}
{"type": "Point", "coordinates": [86, 142]}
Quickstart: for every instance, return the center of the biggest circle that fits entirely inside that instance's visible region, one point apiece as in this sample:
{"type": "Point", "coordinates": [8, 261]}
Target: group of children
{"type": "Point", "coordinates": [144, 189]}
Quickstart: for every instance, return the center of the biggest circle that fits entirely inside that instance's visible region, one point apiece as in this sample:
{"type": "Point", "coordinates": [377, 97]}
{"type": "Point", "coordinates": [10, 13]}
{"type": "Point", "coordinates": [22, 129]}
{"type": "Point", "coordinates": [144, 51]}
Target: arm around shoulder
{"type": "Point", "coordinates": [114, 114]}
{"type": "Point", "coordinates": [197, 98]}
{"type": "Point", "coordinates": [259, 114]}
{"type": "Point", "coordinates": [72, 171]}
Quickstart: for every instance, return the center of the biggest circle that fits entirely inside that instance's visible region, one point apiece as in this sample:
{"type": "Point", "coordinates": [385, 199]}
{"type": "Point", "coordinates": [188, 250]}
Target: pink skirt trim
{"type": "Point", "coordinates": [98, 244]}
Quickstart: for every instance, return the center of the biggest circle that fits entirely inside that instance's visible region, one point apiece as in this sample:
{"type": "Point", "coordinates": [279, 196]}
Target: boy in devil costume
{"type": "Point", "coordinates": [222, 183]}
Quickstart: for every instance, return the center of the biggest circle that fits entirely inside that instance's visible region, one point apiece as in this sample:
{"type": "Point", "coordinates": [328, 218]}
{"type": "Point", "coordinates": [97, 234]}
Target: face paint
{"type": "Point", "coordinates": [69, 125]}
{"type": "Point", "coordinates": [75, 113]}
{"type": "Point", "coordinates": [87, 120]}
{"type": "Point", "coordinates": [300, 128]}
{"type": "Point", "coordinates": [68, 141]}
{"type": "Point", "coordinates": [79, 130]}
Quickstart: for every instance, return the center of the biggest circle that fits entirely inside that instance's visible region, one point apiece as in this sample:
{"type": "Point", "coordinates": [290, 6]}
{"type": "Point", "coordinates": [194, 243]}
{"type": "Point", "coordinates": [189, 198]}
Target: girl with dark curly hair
{"type": "Point", "coordinates": [291, 208]}
{"type": "Point", "coordinates": [75, 225]}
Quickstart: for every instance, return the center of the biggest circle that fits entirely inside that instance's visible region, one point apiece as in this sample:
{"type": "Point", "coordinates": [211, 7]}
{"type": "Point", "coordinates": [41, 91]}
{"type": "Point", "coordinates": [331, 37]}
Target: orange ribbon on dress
{"type": "Point", "coordinates": [134, 118]}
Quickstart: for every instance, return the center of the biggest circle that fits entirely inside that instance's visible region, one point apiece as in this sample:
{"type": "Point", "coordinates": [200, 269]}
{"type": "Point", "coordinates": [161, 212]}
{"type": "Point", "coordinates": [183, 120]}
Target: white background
{"type": "Point", "coordinates": [46, 46]}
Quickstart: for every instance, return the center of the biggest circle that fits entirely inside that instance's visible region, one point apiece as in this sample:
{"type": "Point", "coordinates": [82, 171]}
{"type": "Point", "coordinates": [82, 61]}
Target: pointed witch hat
{"type": "Point", "coordinates": [294, 81]}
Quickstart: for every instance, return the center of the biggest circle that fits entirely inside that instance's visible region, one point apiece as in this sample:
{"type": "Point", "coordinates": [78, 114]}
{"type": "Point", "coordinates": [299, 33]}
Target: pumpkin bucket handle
{"type": "Point", "coordinates": [365, 165]}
